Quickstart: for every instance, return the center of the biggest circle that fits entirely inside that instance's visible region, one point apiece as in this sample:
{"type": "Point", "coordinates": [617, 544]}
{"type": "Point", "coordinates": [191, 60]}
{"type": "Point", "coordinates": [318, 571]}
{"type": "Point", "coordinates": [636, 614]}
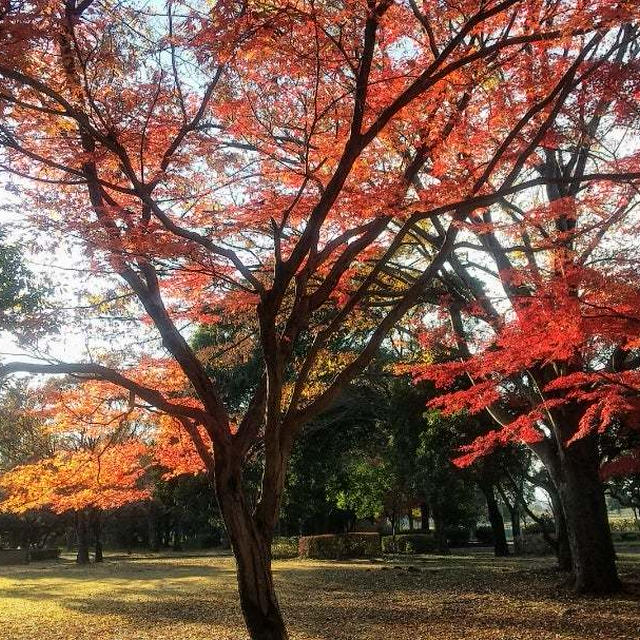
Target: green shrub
{"type": "Point", "coordinates": [282, 548]}
{"type": "Point", "coordinates": [458, 536]}
{"type": "Point", "coordinates": [536, 527]}
{"type": "Point", "coordinates": [409, 543]}
{"type": "Point", "coordinates": [484, 534]}
{"type": "Point", "coordinates": [35, 555]}
{"type": "Point", "coordinates": [332, 547]}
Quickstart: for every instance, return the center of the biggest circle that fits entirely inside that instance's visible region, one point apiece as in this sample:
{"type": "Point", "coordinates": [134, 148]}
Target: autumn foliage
{"type": "Point", "coordinates": [275, 163]}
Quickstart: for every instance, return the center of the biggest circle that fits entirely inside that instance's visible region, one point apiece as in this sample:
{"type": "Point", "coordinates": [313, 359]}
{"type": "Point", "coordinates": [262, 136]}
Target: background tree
{"type": "Point", "coordinates": [22, 295]}
{"type": "Point", "coordinates": [93, 463]}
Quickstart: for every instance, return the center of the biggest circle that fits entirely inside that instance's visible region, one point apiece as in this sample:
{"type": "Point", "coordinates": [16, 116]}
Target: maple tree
{"type": "Point", "coordinates": [94, 462]}
{"type": "Point", "coordinates": [557, 365]}
{"type": "Point", "coordinates": [268, 161]}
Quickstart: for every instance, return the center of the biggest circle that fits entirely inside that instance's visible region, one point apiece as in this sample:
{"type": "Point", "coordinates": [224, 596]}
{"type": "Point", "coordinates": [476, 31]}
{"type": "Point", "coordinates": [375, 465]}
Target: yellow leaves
{"type": "Point", "coordinates": [475, 597]}
{"type": "Point", "coordinates": [328, 364]}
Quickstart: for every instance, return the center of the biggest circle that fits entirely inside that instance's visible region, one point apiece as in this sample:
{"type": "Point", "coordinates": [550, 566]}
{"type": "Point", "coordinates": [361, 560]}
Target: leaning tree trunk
{"type": "Point", "coordinates": [582, 495]}
{"type": "Point", "coordinates": [495, 520]}
{"type": "Point", "coordinates": [82, 534]}
{"type": "Point", "coordinates": [252, 551]}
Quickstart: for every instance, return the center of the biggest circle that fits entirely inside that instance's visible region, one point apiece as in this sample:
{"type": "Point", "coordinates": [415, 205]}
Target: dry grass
{"type": "Point", "coordinates": [466, 597]}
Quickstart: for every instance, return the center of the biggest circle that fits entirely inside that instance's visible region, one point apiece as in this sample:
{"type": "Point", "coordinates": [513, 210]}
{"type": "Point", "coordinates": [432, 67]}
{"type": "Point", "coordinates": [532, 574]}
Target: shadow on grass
{"type": "Point", "coordinates": [518, 597]}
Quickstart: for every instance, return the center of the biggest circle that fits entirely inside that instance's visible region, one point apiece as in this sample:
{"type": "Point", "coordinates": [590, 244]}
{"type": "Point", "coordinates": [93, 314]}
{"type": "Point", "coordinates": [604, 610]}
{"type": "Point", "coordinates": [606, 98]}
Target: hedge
{"type": "Point", "coordinates": [333, 547]}
{"type": "Point", "coordinates": [13, 556]}
{"type": "Point", "coordinates": [282, 548]}
{"type": "Point", "coordinates": [35, 555]}
{"type": "Point", "coordinates": [409, 543]}
{"type": "Point", "coordinates": [533, 544]}
{"type": "Point", "coordinates": [458, 535]}
{"type": "Point", "coordinates": [623, 525]}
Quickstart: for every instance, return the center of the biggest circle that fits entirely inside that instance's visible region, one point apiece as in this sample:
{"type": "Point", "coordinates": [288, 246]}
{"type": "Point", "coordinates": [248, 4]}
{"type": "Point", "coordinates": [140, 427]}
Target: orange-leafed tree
{"type": "Point", "coordinates": [96, 459]}
{"type": "Point", "coordinates": [269, 160]}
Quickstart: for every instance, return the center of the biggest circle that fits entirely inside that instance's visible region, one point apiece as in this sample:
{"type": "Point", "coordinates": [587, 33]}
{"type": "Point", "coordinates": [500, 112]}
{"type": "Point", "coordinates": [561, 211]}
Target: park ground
{"type": "Point", "coordinates": [470, 596]}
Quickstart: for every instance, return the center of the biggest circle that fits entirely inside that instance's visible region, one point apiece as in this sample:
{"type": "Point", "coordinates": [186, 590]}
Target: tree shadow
{"type": "Point", "coordinates": [420, 597]}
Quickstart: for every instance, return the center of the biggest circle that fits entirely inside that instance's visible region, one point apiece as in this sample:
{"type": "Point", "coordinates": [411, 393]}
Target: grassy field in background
{"type": "Point", "coordinates": [471, 596]}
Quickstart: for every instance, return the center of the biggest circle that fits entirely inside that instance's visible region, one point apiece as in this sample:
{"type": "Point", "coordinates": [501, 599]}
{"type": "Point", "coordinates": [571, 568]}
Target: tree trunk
{"type": "Point", "coordinates": [82, 534]}
{"type": "Point", "coordinates": [582, 495]}
{"type": "Point", "coordinates": [424, 517]}
{"type": "Point", "coordinates": [97, 532]}
{"type": "Point", "coordinates": [440, 532]}
{"type": "Point", "coordinates": [496, 520]}
{"type": "Point", "coordinates": [563, 548]}
{"type": "Point", "coordinates": [515, 523]}
{"type": "Point", "coordinates": [514, 514]}
{"type": "Point", "coordinates": [251, 547]}
{"type": "Point", "coordinates": [177, 536]}
{"type": "Point", "coordinates": [70, 535]}
{"type": "Point", "coordinates": [152, 528]}
{"type": "Point", "coordinates": [98, 551]}
{"type": "Point", "coordinates": [516, 530]}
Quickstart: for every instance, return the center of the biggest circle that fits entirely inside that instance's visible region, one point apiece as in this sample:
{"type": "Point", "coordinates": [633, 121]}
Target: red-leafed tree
{"type": "Point", "coordinates": [542, 314]}
{"type": "Point", "coordinates": [268, 160]}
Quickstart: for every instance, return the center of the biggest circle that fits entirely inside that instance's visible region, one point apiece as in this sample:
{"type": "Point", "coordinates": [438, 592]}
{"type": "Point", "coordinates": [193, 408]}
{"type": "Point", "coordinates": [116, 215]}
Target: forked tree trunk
{"type": "Point", "coordinates": [582, 495]}
{"type": "Point", "coordinates": [252, 551]}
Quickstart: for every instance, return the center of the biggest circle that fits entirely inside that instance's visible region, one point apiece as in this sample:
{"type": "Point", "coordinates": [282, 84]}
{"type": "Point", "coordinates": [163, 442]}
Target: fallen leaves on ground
{"type": "Point", "coordinates": [470, 596]}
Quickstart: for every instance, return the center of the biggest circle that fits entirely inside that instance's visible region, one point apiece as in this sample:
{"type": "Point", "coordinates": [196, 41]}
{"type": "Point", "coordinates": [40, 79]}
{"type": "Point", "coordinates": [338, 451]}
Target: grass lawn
{"type": "Point", "coordinates": [471, 596]}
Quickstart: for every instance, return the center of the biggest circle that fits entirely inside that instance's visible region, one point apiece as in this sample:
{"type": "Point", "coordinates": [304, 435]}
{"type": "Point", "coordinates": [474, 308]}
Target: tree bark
{"type": "Point", "coordinates": [496, 520]}
{"type": "Point", "coordinates": [252, 550]}
{"type": "Point", "coordinates": [582, 495]}
{"type": "Point", "coordinates": [82, 532]}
